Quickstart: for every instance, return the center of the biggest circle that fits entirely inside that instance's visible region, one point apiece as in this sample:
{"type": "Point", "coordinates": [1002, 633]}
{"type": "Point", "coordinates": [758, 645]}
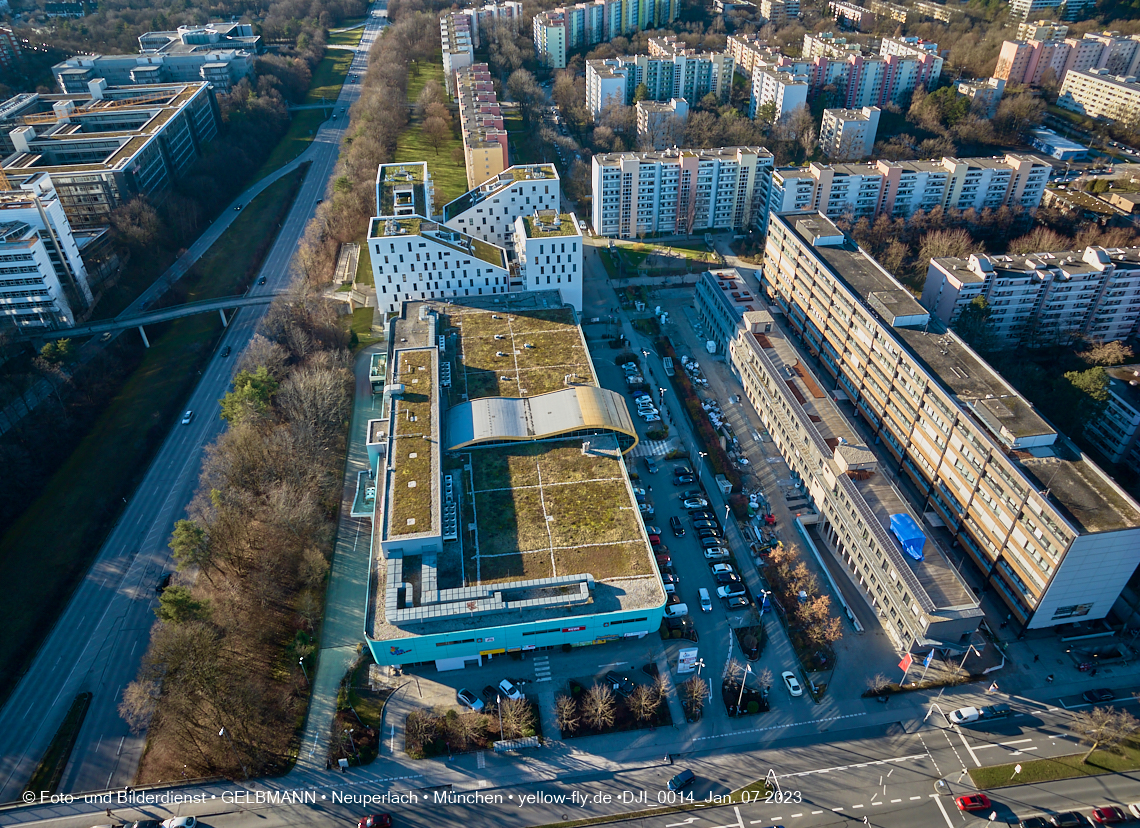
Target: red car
{"type": "Point", "coordinates": [1109, 815]}
{"type": "Point", "coordinates": [655, 540]}
{"type": "Point", "coordinates": [376, 821]}
{"type": "Point", "coordinates": [972, 802]}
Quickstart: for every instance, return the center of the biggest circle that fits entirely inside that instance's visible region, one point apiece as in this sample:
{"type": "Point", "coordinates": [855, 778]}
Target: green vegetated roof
{"type": "Point", "coordinates": [564, 227]}
{"type": "Point", "coordinates": [416, 435]}
{"type": "Point", "coordinates": [547, 509]}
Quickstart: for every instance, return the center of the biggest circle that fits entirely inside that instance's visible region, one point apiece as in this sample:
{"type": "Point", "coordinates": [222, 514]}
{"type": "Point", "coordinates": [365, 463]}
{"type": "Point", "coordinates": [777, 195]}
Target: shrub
{"type": "Point", "coordinates": [657, 434]}
{"type": "Point", "coordinates": [753, 707]}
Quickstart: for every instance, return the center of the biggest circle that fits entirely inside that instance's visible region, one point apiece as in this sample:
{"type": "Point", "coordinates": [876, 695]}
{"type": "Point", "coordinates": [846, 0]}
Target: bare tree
{"type": "Point", "coordinates": [140, 699]}
{"type": "Point", "coordinates": [643, 701]}
{"type": "Point", "coordinates": [566, 713]}
{"type": "Point", "coordinates": [419, 729]}
{"type": "Point", "coordinates": [436, 132]}
{"type": "Point", "coordinates": [598, 706]}
{"type": "Point", "coordinates": [695, 693]}
{"type": "Point", "coordinates": [877, 683]}
{"type": "Point", "coordinates": [518, 717]}
{"type": "Point", "coordinates": [764, 677]}
{"type": "Point", "coordinates": [1103, 727]}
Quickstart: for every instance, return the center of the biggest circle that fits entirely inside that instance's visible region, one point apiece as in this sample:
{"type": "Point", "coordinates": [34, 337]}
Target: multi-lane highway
{"type": "Point", "coordinates": [100, 637]}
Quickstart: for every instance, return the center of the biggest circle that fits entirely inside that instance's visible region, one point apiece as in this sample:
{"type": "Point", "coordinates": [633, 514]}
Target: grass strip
{"type": "Point", "coordinates": [1125, 757]}
{"type": "Point", "coordinates": [329, 76]}
{"type": "Point", "coordinates": [350, 37]}
{"type": "Point", "coordinates": [48, 550]}
{"type": "Point", "coordinates": [49, 771]}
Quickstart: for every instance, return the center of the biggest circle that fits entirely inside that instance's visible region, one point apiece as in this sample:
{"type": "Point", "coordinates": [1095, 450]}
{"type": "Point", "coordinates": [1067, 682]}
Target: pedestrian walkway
{"type": "Point", "coordinates": [655, 448]}
{"type": "Point", "coordinates": [542, 668]}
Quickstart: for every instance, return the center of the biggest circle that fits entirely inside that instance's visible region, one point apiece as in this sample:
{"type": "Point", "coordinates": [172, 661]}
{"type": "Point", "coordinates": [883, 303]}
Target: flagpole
{"type": "Point", "coordinates": [926, 665]}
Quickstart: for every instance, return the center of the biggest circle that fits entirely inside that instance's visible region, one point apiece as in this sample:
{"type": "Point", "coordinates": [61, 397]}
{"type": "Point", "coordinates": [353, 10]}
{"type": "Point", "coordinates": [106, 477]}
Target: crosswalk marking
{"type": "Point", "coordinates": [481, 760]}
{"type": "Point", "coordinates": [542, 668]}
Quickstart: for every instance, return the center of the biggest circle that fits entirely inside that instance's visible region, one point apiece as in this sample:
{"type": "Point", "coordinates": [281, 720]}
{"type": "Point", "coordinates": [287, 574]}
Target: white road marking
{"type": "Point", "coordinates": [969, 749]}
{"type": "Point", "coordinates": [1003, 744]}
{"type": "Point", "coordinates": [945, 816]}
{"type": "Point", "coordinates": [837, 810]}
{"type": "Point", "coordinates": [913, 798]}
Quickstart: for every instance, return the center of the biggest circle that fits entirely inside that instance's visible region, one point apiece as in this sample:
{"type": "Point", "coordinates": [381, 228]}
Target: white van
{"type": "Point", "coordinates": [706, 601]}
{"type": "Point", "coordinates": [676, 611]}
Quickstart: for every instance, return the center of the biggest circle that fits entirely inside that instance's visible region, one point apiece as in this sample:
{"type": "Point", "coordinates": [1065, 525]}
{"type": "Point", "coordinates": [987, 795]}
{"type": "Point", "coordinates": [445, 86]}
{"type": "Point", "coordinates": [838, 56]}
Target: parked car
{"type": "Point", "coordinates": [727, 579]}
{"type": "Point", "coordinates": [695, 503]}
{"type": "Point", "coordinates": [709, 543]}
{"type": "Point", "coordinates": [654, 540]}
{"type": "Point", "coordinates": [671, 596]}
{"type": "Point", "coordinates": [682, 468]}
{"type": "Point", "coordinates": [1068, 819]}
{"type": "Point", "coordinates": [706, 523]}
{"type": "Point", "coordinates": [650, 465]}
{"type": "Point", "coordinates": [685, 495]}
{"type": "Point", "coordinates": [663, 559]}
{"type": "Point", "coordinates": [653, 530]}
{"type": "Point", "coordinates": [721, 567]}
{"type": "Point", "coordinates": [716, 553]}
{"type": "Point", "coordinates": [468, 699]}
{"type": "Point", "coordinates": [1101, 694]}
{"type": "Point", "coordinates": [651, 418]}
{"type": "Point", "coordinates": [1109, 815]}
{"type": "Point", "coordinates": [682, 479]}
{"type": "Point", "coordinates": [970, 802]}
{"type": "Point", "coordinates": [682, 780]}
{"type": "Point", "coordinates": [729, 590]}
{"type": "Point", "coordinates": [702, 514]}
{"type": "Point", "coordinates": [645, 509]}
{"type": "Point", "coordinates": [1034, 822]}
{"type": "Point", "coordinates": [737, 602]}
{"type": "Point", "coordinates": [509, 690]}
{"type": "Point", "coordinates": [180, 822]}
{"type": "Point", "coordinates": [669, 577]}
{"type": "Point", "coordinates": [622, 685]}
{"type": "Point", "coordinates": [792, 683]}
{"type": "Point", "coordinates": [711, 534]}
{"type": "Point", "coordinates": [677, 527]}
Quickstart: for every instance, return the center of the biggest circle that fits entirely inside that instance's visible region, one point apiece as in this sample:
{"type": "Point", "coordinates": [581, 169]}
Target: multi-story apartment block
{"type": "Point", "coordinates": [549, 247]}
{"type": "Point", "coordinates": [660, 124]}
{"type": "Point", "coordinates": [851, 15]}
{"type": "Point", "coordinates": [984, 94]}
{"type": "Point", "coordinates": [903, 188]}
{"type": "Point", "coordinates": [488, 212]}
{"type": "Point", "coordinates": [1043, 298]}
{"type": "Point", "coordinates": [561, 30]}
{"type": "Point", "coordinates": [43, 281]}
{"type": "Point", "coordinates": [458, 41]}
{"type": "Point", "coordinates": [786, 91]}
{"type": "Point", "coordinates": [920, 599]}
{"type": "Point", "coordinates": [935, 11]}
{"type": "Point", "coordinates": [109, 145]}
{"type": "Point", "coordinates": [779, 12]}
{"type": "Point", "coordinates": [1051, 534]}
{"type": "Point", "coordinates": [218, 53]}
{"type": "Point", "coordinates": [929, 61]}
{"type": "Point", "coordinates": [1070, 10]}
{"type": "Point", "coordinates": [9, 49]}
{"type": "Point", "coordinates": [1042, 30]}
{"type": "Point", "coordinates": [469, 249]}
{"type": "Point", "coordinates": [680, 191]}
{"type": "Point", "coordinates": [1116, 433]}
{"type": "Point", "coordinates": [1100, 95]}
{"type": "Point", "coordinates": [723, 297]}
{"type": "Point", "coordinates": [506, 12]}
{"type": "Point", "coordinates": [748, 50]}
{"type": "Point", "coordinates": [828, 45]}
{"type": "Point", "coordinates": [481, 123]}
{"type": "Point", "coordinates": [890, 11]}
{"type": "Point", "coordinates": [681, 74]}
{"type": "Point", "coordinates": [849, 134]}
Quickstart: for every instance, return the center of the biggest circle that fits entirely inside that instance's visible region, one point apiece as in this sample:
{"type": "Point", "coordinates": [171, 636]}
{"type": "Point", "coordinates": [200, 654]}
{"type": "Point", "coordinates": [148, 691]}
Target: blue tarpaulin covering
{"type": "Point", "coordinates": [909, 535]}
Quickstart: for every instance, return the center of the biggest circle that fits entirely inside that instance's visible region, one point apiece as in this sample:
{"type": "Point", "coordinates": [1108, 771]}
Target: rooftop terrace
{"type": "Point", "coordinates": [441, 234]}
{"type": "Point", "coordinates": [400, 187]}
{"type": "Point", "coordinates": [519, 172]}
{"type": "Point", "coordinates": [547, 223]}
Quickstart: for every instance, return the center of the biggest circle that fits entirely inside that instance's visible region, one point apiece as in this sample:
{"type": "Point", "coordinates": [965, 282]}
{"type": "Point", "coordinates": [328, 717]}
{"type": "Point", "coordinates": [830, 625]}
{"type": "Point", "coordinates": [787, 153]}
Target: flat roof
{"type": "Point", "coordinates": [942, 584]}
{"type": "Point", "coordinates": [392, 177]}
{"type": "Point", "coordinates": [1086, 497]}
{"type": "Point", "coordinates": [496, 184]}
{"type": "Point", "coordinates": [538, 521]}
{"type": "Point", "coordinates": [1123, 377]}
{"type": "Point", "coordinates": [547, 223]}
{"type": "Point", "coordinates": [441, 234]}
{"type": "Point", "coordinates": [413, 487]}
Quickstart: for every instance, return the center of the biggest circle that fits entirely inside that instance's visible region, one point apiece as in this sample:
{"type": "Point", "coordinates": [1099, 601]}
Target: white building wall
{"type": "Point", "coordinates": [1089, 578]}
{"type": "Point", "coordinates": [455, 274]}
{"type": "Point", "coordinates": [552, 262]}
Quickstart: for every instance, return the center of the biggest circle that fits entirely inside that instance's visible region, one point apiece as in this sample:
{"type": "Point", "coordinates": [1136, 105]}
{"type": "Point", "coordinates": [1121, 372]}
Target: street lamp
{"type": "Point", "coordinates": [743, 679]}
{"type": "Point", "coordinates": [499, 706]}
{"type": "Point", "coordinates": [764, 593]}
{"type": "Point", "coordinates": [301, 661]}
{"type": "Point", "coordinates": [352, 741]}
{"type": "Point", "coordinates": [700, 664]}
{"type": "Point", "coordinates": [224, 732]}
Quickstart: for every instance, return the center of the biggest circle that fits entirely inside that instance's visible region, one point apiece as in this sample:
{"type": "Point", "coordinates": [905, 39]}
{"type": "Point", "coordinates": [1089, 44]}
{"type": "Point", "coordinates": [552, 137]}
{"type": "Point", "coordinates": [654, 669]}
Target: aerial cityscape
{"type": "Point", "coordinates": [714, 413]}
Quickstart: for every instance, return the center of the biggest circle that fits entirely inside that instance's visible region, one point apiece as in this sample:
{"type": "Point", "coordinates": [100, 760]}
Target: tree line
{"type": "Point", "coordinates": [377, 119]}
{"type": "Point", "coordinates": [252, 559]}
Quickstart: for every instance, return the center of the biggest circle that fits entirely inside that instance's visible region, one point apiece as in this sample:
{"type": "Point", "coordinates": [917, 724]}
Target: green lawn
{"type": "Point", "coordinates": [350, 37]}
{"type": "Point", "coordinates": [329, 76]}
{"type": "Point", "coordinates": [363, 262]}
{"type": "Point", "coordinates": [46, 553]}
{"type": "Point", "coordinates": [1124, 758]}
{"type": "Point", "coordinates": [296, 140]}
{"type": "Point", "coordinates": [420, 72]}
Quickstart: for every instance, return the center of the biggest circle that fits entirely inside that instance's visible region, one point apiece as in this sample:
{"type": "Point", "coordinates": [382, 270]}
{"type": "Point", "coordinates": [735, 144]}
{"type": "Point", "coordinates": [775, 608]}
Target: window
{"type": "Point", "coordinates": [1072, 611]}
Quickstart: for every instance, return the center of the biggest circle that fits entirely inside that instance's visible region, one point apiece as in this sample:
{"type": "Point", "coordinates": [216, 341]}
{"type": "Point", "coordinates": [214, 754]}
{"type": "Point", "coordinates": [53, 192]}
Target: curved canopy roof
{"type": "Point", "coordinates": [494, 420]}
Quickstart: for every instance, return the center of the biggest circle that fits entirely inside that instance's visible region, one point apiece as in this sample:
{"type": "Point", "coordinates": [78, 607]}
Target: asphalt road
{"type": "Point", "coordinates": [99, 639]}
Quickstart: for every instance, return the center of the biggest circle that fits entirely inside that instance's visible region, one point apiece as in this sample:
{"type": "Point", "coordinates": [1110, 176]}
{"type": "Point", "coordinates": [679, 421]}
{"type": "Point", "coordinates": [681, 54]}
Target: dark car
{"type": "Point", "coordinates": [705, 523]}
{"type": "Point", "coordinates": [705, 534]}
{"type": "Point", "coordinates": [677, 527]}
{"type": "Point", "coordinates": [226, 351]}
{"type": "Point", "coordinates": [1101, 694]}
{"type": "Point", "coordinates": [672, 598]}
{"type": "Point", "coordinates": [702, 514]}
{"type": "Point", "coordinates": [1068, 819]}
{"type": "Point", "coordinates": [726, 578]}
{"type": "Point", "coordinates": [146, 823]}
{"type": "Point", "coordinates": [663, 559]}
{"type": "Point", "coordinates": [682, 479]}
{"type": "Point", "coordinates": [682, 468]}
{"type": "Point", "coordinates": [709, 543]}
{"type": "Point", "coordinates": [668, 571]}
{"type": "Point", "coordinates": [1034, 822]}
{"type": "Point", "coordinates": [163, 584]}
{"type": "Point", "coordinates": [682, 780]}
{"type": "Point", "coordinates": [622, 685]}
{"type": "Point", "coordinates": [261, 281]}
{"type": "Point", "coordinates": [738, 602]}
{"type": "Point", "coordinates": [376, 821]}
{"type": "Point", "coordinates": [692, 493]}
{"type": "Point", "coordinates": [669, 577]}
